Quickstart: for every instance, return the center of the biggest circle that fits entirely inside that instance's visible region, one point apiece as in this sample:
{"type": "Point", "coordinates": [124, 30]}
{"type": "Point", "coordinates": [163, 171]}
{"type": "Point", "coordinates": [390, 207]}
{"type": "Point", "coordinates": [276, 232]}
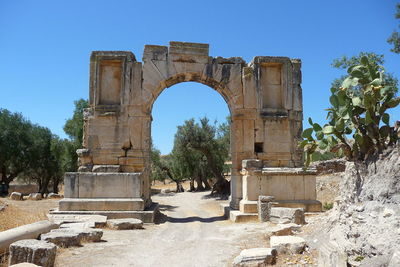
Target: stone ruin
{"type": "Point", "coordinates": [265, 102]}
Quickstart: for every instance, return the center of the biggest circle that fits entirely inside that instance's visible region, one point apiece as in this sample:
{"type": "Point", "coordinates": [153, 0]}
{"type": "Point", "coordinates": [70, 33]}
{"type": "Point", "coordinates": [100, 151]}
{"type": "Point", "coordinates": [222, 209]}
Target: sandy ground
{"type": "Point", "coordinates": [192, 232]}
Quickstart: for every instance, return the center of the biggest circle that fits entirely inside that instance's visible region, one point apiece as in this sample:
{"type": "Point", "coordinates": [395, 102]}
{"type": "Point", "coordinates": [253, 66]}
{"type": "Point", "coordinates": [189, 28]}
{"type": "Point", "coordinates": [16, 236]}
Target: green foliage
{"type": "Point", "coordinates": [199, 153]}
{"type": "Point", "coordinates": [328, 205]}
{"type": "Point", "coordinates": [203, 138]}
{"type": "Point", "coordinates": [157, 172]}
{"type": "Point", "coordinates": [74, 129]}
{"type": "Point", "coordinates": [74, 126]}
{"type": "Point", "coordinates": [358, 108]}
{"type": "Point", "coordinates": [29, 152]}
{"type": "Point", "coordinates": [394, 38]}
{"type": "Point", "coordinates": [359, 258]}
{"type": "Point", "coordinates": [15, 143]}
{"type": "Point", "coordinates": [377, 60]}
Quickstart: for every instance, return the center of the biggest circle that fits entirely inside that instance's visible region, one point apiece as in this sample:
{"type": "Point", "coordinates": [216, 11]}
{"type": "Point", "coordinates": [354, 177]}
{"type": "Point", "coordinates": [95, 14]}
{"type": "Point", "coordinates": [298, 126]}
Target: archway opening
{"type": "Point", "coordinates": [190, 138]}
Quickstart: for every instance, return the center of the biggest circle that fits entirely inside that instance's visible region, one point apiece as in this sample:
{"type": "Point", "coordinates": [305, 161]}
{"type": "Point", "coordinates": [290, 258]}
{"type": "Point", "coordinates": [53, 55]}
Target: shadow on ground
{"type": "Point", "coordinates": [195, 219]}
{"type": "Point", "coordinates": [216, 196]}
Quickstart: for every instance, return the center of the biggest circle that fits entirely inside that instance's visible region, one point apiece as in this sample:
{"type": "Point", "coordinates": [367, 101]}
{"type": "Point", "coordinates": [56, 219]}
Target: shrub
{"type": "Point", "coordinates": [358, 109]}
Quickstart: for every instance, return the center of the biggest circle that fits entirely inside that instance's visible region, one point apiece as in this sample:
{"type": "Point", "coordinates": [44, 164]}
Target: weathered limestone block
{"type": "Point", "coordinates": [106, 168]}
{"type": "Point", "coordinates": [107, 185]}
{"type": "Point", "coordinates": [16, 196]}
{"type": "Point", "coordinates": [54, 196]}
{"type": "Point", "coordinates": [125, 224]}
{"type": "Point", "coordinates": [255, 257]}
{"type": "Point", "coordinates": [35, 196]}
{"type": "Point", "coordinates": [288, 244]}
{"type": "Point", "coordinates": [96, 220]}
{"type": "Point", "coordinates": [24, 264]}
{"type": "Point", "coordinates": [287, 215]}
{"type": "Point", "coordinates": [264, 207]}
{"type": "Point", "coordinates": [330, 254]}
{"type": "Point", "coordinates": [86, 234]}
{"type": "Point", "coordinates": [62, 239]}
{"type": "Point", "coordinates": [282, 229]}
{"type": "Point", "coordinates": [250, 164]}
{"type": "Point", "coordinates": [33, 251]}
{"type": "Point", "coordinates": [78, 225]}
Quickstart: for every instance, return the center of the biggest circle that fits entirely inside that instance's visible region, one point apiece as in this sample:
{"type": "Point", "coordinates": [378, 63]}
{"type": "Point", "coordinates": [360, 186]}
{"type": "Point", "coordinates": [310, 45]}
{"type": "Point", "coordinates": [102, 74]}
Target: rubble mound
{"type": "Point", "coordinates": [365, 222]}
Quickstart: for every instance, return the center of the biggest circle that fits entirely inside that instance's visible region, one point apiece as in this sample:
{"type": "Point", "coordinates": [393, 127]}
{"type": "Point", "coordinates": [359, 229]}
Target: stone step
{"type": "Point", "coordinates": [147, 216]}
{"type": "Point", "coordinates": [241, 217]}
{"type": "Point", "coordinates": [88, 204]}
{"type": "Point", "coordinates": [63, 218]}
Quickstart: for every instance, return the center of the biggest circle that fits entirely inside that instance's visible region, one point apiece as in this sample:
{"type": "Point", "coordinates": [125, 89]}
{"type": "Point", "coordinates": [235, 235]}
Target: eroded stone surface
{"type": "Point", "coordinates": [264, 207]}
{"type": "Point", "coordinates": [54, 196]}
{"type": "Point", "coordinates": [35, 196]}
{"type": "Point", "coordinates": [125, 224]}
{"type": "Point", "coordinates": [97, 220]}
{"type": "Point", "coordinates": [62, 239]}
{"type": "Point", "coordinates": [86, 234]}
{"type": "Point", "coordinates": [288, 244]}
{"type": "Point", "coordinates": [33, 251]}
{"type": "Point", "coordinates": [287, 215]}
{"type": "Point", "coordinates": [255, 257]}
{"type": "Point", "coordinates": [16, 196]}
{"type": "Point", "coordinates": [282, 229]}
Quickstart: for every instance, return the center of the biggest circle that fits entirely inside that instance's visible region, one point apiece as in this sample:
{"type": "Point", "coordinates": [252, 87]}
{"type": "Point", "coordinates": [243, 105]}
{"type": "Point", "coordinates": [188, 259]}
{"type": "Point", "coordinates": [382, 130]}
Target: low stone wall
{"type": "Point", "coordinates": [330, 166]}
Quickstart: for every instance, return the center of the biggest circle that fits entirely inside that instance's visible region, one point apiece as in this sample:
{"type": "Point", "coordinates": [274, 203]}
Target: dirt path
{"type": "Point", "coordinates": [193, 233]}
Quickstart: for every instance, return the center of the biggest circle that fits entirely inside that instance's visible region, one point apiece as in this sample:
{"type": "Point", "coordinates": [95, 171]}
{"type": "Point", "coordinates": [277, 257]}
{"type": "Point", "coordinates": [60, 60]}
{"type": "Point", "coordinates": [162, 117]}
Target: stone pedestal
{"type": "Point", "coordinates": [115, 195]}
{"type": "Point", "coordinates": [291, 187]}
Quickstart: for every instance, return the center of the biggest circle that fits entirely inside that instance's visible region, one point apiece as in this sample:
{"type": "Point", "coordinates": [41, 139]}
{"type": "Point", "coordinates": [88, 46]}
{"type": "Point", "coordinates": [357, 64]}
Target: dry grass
{"type": "Point", "coordinates": [15, 215]}
{"type": "Point", "coordinates": [4, 260]}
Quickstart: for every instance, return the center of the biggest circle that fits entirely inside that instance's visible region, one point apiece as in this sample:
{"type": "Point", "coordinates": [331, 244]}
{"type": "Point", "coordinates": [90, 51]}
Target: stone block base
{"type": "Point", "coordinates": [97, 204]}
{"type": "Point", "coordinates": [307, 205]}
{"type": "Point", "coordinates": [241, 217]}
{"type": "Point", "coordinates": [249, 206]}
{"type": "Point", "coordinates": [103, 185]}
{"type": "Point", "coordinates": [147, 216]}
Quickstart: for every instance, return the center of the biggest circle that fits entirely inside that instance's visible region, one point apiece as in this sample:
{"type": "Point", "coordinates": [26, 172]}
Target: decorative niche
{"type": "Point", "coordinates": [110, 82]}
{"type": "Point", "coordinates": [272, 85]}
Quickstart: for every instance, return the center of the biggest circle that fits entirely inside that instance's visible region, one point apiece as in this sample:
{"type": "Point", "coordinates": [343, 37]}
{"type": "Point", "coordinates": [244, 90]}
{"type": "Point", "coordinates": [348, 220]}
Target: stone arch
{"type": "Point", "coordinates": [264, 97]}
{"type": "Point", "coordinates": [192, 77]}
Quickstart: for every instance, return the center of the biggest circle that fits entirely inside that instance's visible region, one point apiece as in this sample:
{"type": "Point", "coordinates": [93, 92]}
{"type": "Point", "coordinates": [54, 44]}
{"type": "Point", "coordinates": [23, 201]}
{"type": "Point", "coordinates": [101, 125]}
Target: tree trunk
{"type": "Point", "coordinates": [222, 186]}
{"type": "Point", "coordinates": [206, 184]}
{"type": "Point", "coordinates": [192, 188]}
{"type": "Point", "coordinates": [179, 187]}
{"type": "Point", "coordinates": [199, 182]}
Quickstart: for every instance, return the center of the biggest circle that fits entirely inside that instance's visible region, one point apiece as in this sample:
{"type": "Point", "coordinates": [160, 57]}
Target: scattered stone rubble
{"type": "Point", "coordinates": [287, 215]}
{"type": "Point", "coordinates": [35, 196]}
{"type": "Point", "coordinates": [33, 251]}
{"type": "Point", "coordinates": [288, 244]}
{"type": "Point", "coordinates": [63, 239]}
{"type": "Point", "coordinates": [125, 224]}
{"type": "Point", "coordinates": [16, 196]}
{"type": "Point", "coordinates": [255, 257]}
{"type": "Point", "coordinates": [282, 241]}
{"type": "Point", "coordinates": [363, 226]}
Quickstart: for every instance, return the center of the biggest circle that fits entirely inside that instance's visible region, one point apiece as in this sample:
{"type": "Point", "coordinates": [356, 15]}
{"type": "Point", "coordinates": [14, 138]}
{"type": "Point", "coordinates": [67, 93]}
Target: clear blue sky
{"type": "Point", "coordinates": [45, 48]}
